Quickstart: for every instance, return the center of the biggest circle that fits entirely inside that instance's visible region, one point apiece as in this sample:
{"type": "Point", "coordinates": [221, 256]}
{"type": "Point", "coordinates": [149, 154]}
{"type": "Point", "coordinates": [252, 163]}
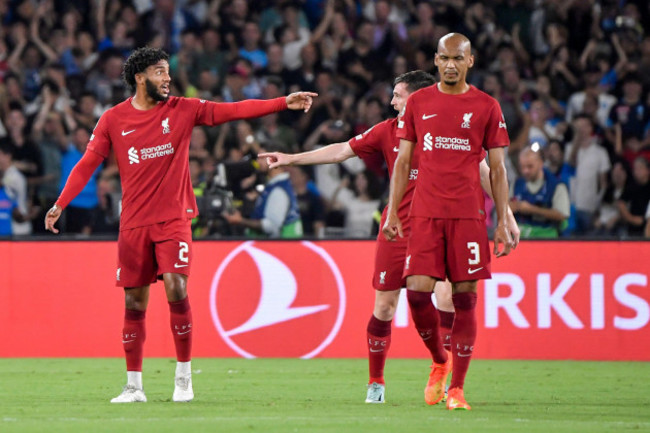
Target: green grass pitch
{"type": "Point", "coordinates": [322, 395]}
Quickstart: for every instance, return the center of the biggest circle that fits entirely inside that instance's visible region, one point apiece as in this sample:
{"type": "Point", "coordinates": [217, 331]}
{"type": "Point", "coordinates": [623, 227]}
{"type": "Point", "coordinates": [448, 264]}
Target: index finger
{"type": "Point", "coordinates": [312, 94]}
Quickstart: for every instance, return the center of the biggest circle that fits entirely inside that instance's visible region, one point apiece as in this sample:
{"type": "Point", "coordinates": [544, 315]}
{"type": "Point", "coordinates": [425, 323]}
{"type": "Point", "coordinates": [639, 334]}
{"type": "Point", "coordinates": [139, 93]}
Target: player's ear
{"type": "Point", "coordinates": [470, 62]}
{"type": "Point", "coordinates": [140, 78]}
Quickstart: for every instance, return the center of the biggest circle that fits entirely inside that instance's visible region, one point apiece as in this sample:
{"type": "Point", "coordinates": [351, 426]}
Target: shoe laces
{"type": "Point", "coordinates": [183, 382]}
{"type": "Point", "coordinates": [375, 389]}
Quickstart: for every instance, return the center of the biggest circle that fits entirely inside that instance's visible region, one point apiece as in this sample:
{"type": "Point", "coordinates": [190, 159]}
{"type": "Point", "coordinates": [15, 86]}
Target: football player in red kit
{"type": "Point", "coordinates": [389, 256]}
{"type": "Point", "coordinates": [149, 133]}
{"type": "Point", "coordinates": [451, 124]}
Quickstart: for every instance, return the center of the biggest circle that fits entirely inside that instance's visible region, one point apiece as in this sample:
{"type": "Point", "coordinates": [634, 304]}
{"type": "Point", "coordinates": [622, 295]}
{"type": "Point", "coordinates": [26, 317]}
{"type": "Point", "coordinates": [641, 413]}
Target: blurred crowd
{"type": "Point", "coordinates": [572, 78]}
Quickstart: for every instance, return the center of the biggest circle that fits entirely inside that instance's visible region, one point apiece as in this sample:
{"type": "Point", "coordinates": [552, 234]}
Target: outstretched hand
{"type": "Point", "coordinates": [300, 100]}
{"type": "Point", "coordinates": [275, 159]}
{"type": "Point", "coordinates": [51, 218]}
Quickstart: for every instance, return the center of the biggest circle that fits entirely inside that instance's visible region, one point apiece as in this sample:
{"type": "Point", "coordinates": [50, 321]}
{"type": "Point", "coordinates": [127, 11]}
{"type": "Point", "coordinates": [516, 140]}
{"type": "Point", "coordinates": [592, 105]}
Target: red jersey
{"type": "Point", "coordinates": [381, 138]}
{"type": "Point", "coordinates": [152, 152]}
{"type": "Point", "coordinates": [450, 132]}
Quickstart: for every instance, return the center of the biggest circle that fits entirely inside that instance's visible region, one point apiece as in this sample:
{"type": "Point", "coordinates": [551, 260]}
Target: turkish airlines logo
{"type": "Point", "coordinates": [268, 300]}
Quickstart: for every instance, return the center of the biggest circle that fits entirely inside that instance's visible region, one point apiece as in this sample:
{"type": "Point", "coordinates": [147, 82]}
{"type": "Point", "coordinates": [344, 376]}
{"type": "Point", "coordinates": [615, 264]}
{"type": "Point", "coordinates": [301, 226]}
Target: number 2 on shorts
{"type": "Point", "coordinates": [183, 249]}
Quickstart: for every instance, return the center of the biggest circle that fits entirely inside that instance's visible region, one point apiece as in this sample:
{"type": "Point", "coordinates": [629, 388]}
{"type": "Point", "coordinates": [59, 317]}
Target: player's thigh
{"type": "Point", "coordinates": [389, 265]}
{"type": "Point", "coordinates": [468, 250]}
{"type": "Point", "coordinates": [425, 255]}
{"type": "Point", "coordinates": [173, 246]}
{"type": "Point", "coordinates": [136, 262]}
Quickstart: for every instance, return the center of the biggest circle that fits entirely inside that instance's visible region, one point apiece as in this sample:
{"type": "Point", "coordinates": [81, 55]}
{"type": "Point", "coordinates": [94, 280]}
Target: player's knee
{"type": "Point", "coordinates": [384, 311]}
{"type": "Point", "coordinates": [135, 301]}
{"type": "Point", "coordinates": [418, 300]}
{"type": "Point", "coordinates": [175, 287]}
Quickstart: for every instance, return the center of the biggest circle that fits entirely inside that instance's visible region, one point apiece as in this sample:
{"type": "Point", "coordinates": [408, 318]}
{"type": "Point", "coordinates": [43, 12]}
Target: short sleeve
{"type": "Point", "coordinates": [496, 132]}
{"type": "Point", "coordinates": [605, 165]}
{"type": "Point", "coordinates": [406, 123]}
{"type": "Point", "coordinates": [100, 141]}
{"type": "Point", "coordinates": [368, 143]}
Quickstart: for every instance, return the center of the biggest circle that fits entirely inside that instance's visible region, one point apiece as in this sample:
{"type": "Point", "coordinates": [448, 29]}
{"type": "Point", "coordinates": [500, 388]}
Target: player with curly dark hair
{"type": "Point", "coordinates": [149, 134]}
{"type": "Point", "coordinates": [139, 61]}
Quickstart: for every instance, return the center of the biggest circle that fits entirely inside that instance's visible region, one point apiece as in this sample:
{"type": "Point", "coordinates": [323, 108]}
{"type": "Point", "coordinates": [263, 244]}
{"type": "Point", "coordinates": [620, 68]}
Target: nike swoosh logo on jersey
{"type": "Point", "coordinates": [127, 132]}
{"type": "Point", "coordinates": [425, 117]}
{"type": "Point", "coordinates": [464, 355]}
{"type": "Point", "coordinates": [176, 265]}
{"type": "Point", "coordinates": [471, 271]}
{"type": "Point", "coordinates": [395, 149]}
{"type": "Point", "coordinates": [183, 333]}
{"type": "Point", "coordinates": [376, 350]}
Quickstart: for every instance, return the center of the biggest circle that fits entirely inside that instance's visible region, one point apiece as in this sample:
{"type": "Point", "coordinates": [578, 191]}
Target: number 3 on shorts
{"type": "Point", "coordinates": [475, 251]}
{"type": "Point", "coordinates": [183, 249]}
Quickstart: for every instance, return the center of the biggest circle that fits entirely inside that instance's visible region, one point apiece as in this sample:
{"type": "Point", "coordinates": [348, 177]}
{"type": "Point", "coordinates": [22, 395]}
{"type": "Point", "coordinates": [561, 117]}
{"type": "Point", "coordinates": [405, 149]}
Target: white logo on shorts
{"type": "Point", "coordinates": [382, 277]}
{"type": "Point", "coordinates": [408, 261]}
{"type": "Point", "coordinates": [118, 273]}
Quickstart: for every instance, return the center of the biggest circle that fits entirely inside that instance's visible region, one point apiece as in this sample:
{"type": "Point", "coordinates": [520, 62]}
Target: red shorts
{"type": "Point", "coordinates": [389, 265]}
{"type": "Point", "coordinates": [457, 249]}
{"type": "Point", "coordinates": [145, 253]}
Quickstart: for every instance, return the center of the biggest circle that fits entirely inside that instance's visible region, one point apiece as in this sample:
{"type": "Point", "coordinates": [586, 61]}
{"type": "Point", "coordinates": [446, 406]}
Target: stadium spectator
{"type": "Point", "coordinates": [591, 163]}
{"type": "Point", "coordinates": [608, 221]}
{"type": "Point", "coordinates": [630, 113]}
{"type": "Point", "coordinates": [276, 213]}
{"type": "Point", "coordinates": [634, 201]}
{"type": "Point", "coordinates": [15, 185]}
{"type": "Point", "coordinates": [539, 200]}
{"type": "Point", "coordinates": [575, 103]}
{"type": "Point", "coordinates": [251, 49]}
{"type": "Point", "coordinates": [310, 203]}
{"type": "Point", "coordinates": [8, 209]}
{"type": "Point", "coordinates": [82, 210]}
{"type": "Point", "coordinates": [360, 203]}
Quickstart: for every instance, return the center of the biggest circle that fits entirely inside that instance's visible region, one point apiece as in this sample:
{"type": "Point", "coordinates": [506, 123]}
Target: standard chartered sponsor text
{"type": "Point", "coordinates": [156, 151]}
{"type": "Point", "coordinates": [453, 143]}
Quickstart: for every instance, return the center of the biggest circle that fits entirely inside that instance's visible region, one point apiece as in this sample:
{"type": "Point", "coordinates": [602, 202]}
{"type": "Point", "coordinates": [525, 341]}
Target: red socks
{"type": "Point", "coordinates": [446, 323]}
{"type": "Point", "coordinates": [133, 336]}
{"type": "Point", "coordinates": [425, 317]}
{"type": "Point", "coordinates": [378, 343]}
{"type": "Point", "coordinates": [181, 324]}
{"type": "Point", "coordinates": [463, 336]}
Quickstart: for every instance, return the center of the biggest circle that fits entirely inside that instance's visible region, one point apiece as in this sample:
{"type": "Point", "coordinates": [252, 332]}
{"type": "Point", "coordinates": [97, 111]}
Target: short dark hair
{"type": "Point", "coordinates": [139, 61]}
{"type": "Point", "coordinates": [587, 117]}
{"type": "Point", "coordinates": [415, 80]}
{"type": "Point", "coordinates": [7, 148]}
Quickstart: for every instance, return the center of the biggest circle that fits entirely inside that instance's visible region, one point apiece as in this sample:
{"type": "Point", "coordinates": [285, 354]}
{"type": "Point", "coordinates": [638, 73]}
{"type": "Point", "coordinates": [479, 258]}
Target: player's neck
{"type": "Point", "coordinates": [142, 101]}
{"type": "Point", "coordinates": [453, 89]}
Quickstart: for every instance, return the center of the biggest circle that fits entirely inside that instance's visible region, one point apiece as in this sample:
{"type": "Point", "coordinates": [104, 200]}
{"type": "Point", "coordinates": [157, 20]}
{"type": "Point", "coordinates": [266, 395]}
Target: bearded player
{"type": "Point", "coordinates": [149, 134]}
{"type": "Point", "coordinates": [389, 257]}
